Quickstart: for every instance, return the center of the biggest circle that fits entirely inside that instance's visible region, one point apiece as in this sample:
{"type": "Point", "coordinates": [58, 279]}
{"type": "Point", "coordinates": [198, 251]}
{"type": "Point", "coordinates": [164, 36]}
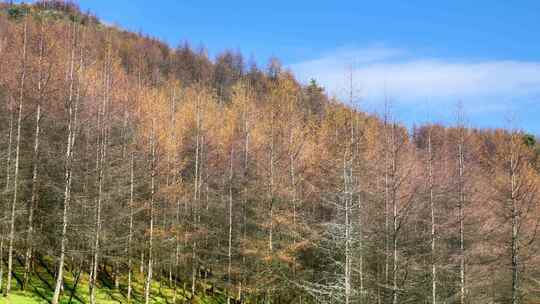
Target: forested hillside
{"type": "Point", "coordinates": [133, 165]}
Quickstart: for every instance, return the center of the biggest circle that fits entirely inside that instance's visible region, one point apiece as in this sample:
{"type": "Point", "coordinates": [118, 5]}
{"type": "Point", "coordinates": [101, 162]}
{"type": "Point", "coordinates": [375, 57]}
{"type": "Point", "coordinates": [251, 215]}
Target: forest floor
{"type": "Point", "coordinates": [41, 286]}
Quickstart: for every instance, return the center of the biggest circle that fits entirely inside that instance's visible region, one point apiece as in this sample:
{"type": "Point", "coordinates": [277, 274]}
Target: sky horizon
{"type": "Point", "coordinates": [424, 56]}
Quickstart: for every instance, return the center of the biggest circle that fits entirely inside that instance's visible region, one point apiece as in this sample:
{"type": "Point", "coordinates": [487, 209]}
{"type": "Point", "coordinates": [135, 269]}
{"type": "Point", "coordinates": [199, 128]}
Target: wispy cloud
{"type": "Point", "coordinates": [378, 71]}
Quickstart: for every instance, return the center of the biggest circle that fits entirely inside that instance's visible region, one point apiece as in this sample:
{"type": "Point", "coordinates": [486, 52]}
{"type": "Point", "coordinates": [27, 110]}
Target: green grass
{"type": "Point", "coordinates": [21, 298]}
{"type": "Point", "coordinates": [41, 286]}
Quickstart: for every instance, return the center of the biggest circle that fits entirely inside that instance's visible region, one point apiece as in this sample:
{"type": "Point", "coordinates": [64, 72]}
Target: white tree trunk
{"type": "Point", "coordinates": [6, 189]}
{"type": "Point", "coordinates": [244, 199]}
{"type": "Point", "coordinates": [229, 252]}
{"type": "Point", "coordinates": [196, 195]}
{"type": "Point", "coordinates": [461, 220]}
{"type": "Point", "coordinates": [433, 235]}
{"type": "Point", "coordinates": [293, 190]}
{"type": "Point", "coordinates": [100, 165]}
{"type": "Point", "coordinates": [71, 136]}
{"type": "Point", "coordinates": [386, 203]}
{"type": "Point", "coordinates": [515, 220]}
{"type": "Point", "coordinates": [346, 198]}
{"type": "Point", "coordinates": [130, 235]}
{"type": "Point", "coordinates": [17, 158]}
{"type": "Point", "coordinates": [33, 200]}
{"type": "Point", "coordinates": [148, 285]}
{"type": "Point", "coordinates": [271, 192]}
{"type": "Point", "coordinates": [394, 217]}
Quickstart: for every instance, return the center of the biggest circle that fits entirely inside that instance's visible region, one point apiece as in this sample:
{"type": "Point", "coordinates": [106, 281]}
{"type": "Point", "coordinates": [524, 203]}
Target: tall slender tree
{"type": "Point", "coordinates": [72, 111]}
{"type": "Point", "coordinates": [21, 98]}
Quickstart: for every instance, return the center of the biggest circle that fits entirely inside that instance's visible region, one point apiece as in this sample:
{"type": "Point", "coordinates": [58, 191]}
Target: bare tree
{"type": "Point", "coordinates": [230, 209]}
{"type": "Point", "coordinates": [148, 282]}
{"type": "Point", "coordinates": [433, 236]}
{"type": "Point", "coordinates": [41, 85]}
{"type": "Point", "coordinates": [6, 189]}
{"type": "Point", "coordinates": [272, 157]}
{"type": "Point", "coordinates": [100, 168]}
{"type": "Point", "coordinates": [17, 159]}
{"type": "Point", "coordinates": [516, 193]}
{"type": "Point", "coordinates": [72, 109]}
{"type": "Point", "coordinates": [196, 191]}
{"type": "Point", "coordinates": [461, 203]}
{"type": "Point", "coordinates": [130, 234]}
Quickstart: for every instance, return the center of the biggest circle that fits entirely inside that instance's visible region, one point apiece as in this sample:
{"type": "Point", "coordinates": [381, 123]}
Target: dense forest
{"type": "Point", "coordinates": [133, 164]}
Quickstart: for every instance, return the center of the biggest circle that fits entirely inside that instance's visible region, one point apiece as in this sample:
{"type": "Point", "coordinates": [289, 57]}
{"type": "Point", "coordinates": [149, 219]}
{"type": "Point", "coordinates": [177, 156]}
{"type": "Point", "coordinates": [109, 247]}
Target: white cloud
{"type": "Point", "coordinates": [379, 70]}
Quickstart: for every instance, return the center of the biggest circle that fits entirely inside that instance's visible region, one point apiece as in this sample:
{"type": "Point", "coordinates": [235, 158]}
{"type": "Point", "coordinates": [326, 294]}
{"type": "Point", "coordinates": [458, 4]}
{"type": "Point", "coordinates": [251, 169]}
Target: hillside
{"type": "Point", "coordinates": [41, 286]}
{"type": "Point", "coordinates": [135, 170]}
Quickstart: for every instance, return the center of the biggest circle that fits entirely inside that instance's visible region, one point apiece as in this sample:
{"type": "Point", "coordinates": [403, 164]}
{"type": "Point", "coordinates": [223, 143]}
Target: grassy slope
{"type": "Point", "coordinates": [42, 283]}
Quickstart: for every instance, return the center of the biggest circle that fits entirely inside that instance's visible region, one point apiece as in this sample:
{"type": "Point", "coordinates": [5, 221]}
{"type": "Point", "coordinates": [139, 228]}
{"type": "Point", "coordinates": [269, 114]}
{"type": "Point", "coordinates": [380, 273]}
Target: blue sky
{"type": "Point", "coordinates": [423, 55]}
